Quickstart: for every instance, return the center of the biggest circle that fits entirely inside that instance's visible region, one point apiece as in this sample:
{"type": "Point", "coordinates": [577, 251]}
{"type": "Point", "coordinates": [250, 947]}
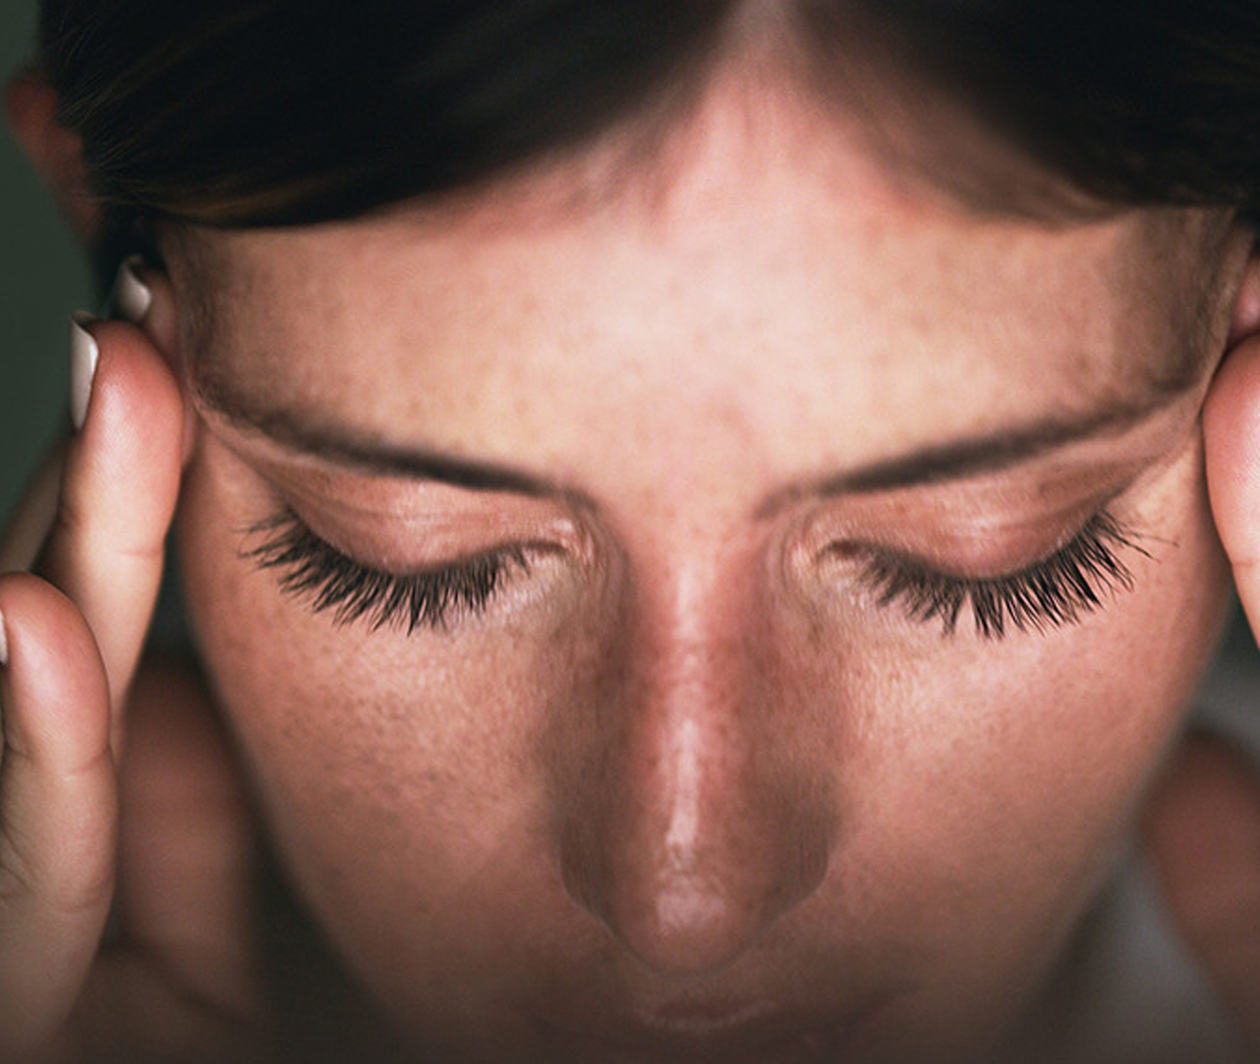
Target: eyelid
{"type": "Point", "coordinates": [1056, 590]}
{"type": "Point", "coordinates": [967, 557]}
{"type": "Point", "coordinates": [429, 538]}
{"type": "Point", "coordinates": [386, 522]}
{"type": "Point", "coordinates": [367, 494]}
{"type": "Point", "coordinates": [330, 580]}
{"type": "Point", "coordinates": [961, 537]}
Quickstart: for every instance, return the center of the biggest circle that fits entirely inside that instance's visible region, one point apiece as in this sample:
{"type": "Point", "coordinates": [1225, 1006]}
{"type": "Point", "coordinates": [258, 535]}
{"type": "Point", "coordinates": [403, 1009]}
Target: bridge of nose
{"type": "Point", "coordinates": [690, 822]}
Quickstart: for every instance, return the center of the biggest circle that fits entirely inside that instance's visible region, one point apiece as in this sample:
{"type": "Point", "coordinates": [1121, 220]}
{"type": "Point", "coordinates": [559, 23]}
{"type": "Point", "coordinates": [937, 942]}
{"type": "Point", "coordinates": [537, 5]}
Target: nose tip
{"type": "Point", "coordinates": [689, 854]}
{"type": "Point", "coordinates": [691, 930]}
{"type": "Point", "coordinates": [687, 924]}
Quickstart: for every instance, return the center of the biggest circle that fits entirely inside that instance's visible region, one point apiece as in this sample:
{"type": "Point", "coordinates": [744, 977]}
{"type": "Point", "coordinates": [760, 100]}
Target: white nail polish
{"type": "Point", "coordinates": [131, 295]}
{"type": "Point", "coordinates": [83, 357]}
{"type": "Point", "coordinates": [4, 644]}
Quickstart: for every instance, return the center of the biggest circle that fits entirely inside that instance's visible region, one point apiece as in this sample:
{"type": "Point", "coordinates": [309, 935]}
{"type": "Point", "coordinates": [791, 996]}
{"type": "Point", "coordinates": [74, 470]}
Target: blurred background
{"type": "Point", "coordinates": [42, 279]}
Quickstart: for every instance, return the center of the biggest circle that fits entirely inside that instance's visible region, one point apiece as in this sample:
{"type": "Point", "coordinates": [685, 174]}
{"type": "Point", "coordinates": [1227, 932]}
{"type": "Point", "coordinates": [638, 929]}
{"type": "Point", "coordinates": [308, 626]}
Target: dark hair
{"type": "Point", "coordinates": [267, 112]}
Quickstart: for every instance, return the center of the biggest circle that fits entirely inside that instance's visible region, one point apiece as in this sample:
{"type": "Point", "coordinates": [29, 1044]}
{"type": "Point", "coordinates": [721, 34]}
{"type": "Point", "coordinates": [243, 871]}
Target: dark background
{"type": "Point", "coordinates": [43, 279]}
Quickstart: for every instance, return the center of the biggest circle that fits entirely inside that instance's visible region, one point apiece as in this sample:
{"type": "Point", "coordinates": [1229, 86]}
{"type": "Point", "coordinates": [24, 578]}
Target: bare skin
{"type": "Point", "coordinates": [591, 788]}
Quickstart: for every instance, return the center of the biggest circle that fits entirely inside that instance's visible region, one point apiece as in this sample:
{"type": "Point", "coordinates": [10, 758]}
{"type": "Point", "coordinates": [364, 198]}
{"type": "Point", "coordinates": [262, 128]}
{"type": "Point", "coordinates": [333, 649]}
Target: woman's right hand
{"type": "Point", "coordinates": [73, 634]}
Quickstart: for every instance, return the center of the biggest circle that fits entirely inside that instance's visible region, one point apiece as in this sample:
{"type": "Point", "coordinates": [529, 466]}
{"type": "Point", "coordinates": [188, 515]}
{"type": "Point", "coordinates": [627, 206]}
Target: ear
{"type": "Point", "coordinates": [1246, 320]}
{"type": "Point", "coordinates": [30, 105]}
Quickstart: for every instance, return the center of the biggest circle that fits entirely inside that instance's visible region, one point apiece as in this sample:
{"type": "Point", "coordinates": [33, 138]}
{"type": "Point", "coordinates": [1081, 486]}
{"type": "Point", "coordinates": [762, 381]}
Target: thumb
{"type": "Point", "coordinates": [1204, 818]}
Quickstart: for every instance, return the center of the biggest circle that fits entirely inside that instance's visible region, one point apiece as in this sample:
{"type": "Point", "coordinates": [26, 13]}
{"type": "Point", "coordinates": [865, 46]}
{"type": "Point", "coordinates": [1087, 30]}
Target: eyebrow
{"type": "Point", "coordinates": [989, 452]}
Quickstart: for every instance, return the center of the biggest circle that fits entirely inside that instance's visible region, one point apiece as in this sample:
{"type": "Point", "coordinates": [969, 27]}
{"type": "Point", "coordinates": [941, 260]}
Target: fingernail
{"type": "Point", "coordinates": [131, 295]}
{"type": "Point", "coordinates": [4, 644]}
{"type": "Point", "coordinates": [83, 357]}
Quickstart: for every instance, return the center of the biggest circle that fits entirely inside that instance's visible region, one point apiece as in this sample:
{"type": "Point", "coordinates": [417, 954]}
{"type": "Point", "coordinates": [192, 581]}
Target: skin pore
{"type": "Point", "coordinates": [685, 788]}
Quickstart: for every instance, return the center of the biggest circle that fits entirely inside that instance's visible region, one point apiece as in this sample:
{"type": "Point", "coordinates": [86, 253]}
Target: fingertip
{"type": "Point", "coordinates": [1231, 436]}
{"type": "Point", "coordinates": [136, 408]}
{"type": "Point", "coordinates": [52, 663]}
{"type": "Point", "coordinates": [38, 615]}
{"type": "Point", "coordinates": [143, 294]}
{"type": "Point", "coordinates": [131, 349]}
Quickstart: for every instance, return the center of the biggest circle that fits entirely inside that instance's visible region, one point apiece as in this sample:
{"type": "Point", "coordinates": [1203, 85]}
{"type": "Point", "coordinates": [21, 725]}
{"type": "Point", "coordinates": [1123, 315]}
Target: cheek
{"type": "Point", "coordinates": [986, 789]}
{"type": "Point", "coordinates": [998, 779]}
{"type": "Point", "coordinates": [399, 775]}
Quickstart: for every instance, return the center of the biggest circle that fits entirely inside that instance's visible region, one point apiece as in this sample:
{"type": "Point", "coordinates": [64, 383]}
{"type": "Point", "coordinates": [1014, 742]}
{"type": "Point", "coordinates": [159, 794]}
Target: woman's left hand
{"type": "Point", "coordinates": [1203, 822]}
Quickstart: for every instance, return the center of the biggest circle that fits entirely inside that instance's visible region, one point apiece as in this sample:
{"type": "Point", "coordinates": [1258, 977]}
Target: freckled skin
{"type": "Point", "coordinates": [689, 763]}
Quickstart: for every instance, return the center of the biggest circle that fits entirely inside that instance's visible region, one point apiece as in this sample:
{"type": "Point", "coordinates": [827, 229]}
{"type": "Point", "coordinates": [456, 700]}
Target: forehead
{"type": "Point", "coordinates": [770, 276]}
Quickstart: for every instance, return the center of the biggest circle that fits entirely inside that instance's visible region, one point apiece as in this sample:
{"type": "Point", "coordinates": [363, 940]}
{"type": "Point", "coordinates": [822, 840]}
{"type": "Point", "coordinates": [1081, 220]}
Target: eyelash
{"type": "Point", "coordinates": [1049, 594]}
{"type": "Point", "coordinates": [316, 571]}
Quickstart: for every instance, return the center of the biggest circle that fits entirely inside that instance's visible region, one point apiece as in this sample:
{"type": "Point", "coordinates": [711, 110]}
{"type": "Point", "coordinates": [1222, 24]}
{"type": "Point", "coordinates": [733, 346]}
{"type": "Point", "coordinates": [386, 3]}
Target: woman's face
{"type": "Point", "coordinates": [683, 757]}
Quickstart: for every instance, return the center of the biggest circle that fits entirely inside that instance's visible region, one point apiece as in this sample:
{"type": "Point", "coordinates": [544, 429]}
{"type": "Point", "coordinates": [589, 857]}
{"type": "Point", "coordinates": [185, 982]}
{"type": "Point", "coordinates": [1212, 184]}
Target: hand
{"type": "Point", "coordinates": [178, 978]}
{"type": "Point", "coordinates": [1203, 823]}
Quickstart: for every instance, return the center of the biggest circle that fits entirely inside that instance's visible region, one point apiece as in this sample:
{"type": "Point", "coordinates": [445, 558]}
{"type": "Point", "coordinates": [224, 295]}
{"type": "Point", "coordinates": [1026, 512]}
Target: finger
{"type": "Point", "coordinates": [1231, 435]}
{"type": "Point", "coordinates": [118, 491]}
{"type": "Point", "coordinates": [1231, 439]}
{"type": "Point", "coordinates": [23, 538]}
{"type": "Point", "coordinates": [1203, 834]}
{"type": "Point", "coordinates": [141, 295]}
{"type": "Point", "coordinates": [58, 811]}
{"type": "Point", "coordinates": [144, 296]}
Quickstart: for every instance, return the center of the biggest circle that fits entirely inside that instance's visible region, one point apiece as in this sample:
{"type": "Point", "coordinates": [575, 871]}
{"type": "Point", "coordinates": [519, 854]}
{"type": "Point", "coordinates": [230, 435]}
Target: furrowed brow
{"type": "Point", "coordinates": [307, 435]}
{"type": "Point", "coordinates": [991, 452]}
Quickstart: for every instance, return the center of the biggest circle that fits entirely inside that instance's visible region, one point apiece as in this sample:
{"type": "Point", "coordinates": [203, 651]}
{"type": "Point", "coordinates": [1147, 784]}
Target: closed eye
{"type": "Point", "coordinates": [1058, 590]}
{"type": "Point", "coordinates": [313, 570]}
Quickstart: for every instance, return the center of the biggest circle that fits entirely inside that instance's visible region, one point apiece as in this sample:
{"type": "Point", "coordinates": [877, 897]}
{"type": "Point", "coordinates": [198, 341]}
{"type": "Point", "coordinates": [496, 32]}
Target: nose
{"type": "Point", "coordinates": [691, 821]}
